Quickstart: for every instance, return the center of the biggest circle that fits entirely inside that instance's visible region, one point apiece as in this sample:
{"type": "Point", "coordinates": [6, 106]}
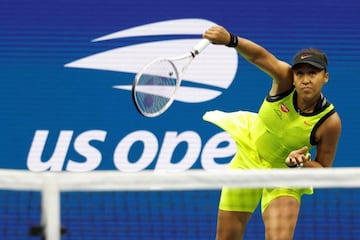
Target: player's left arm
{"type": "Point", "coordinates": [327, 136]}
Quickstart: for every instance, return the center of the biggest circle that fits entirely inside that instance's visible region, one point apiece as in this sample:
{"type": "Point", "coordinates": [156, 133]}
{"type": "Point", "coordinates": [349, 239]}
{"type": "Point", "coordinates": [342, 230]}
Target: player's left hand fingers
{"type": "Point", "coordinates": [291, 161]}
{"type": "Point", "coordinates": [297, 160]}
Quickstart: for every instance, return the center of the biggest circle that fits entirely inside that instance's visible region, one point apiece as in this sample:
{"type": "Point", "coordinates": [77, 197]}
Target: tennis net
{"type": "Point", "coordinates": [166, 205]}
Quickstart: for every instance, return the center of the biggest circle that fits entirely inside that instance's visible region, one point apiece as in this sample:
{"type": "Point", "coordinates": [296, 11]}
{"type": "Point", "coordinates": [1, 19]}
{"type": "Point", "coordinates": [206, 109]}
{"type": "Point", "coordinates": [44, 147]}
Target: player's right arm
{"type": "Point", "coordinates": [278, 70]}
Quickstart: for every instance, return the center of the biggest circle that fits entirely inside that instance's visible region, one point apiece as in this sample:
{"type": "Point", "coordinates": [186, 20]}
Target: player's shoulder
{"type": "Point", "coordinates": [333, 122]}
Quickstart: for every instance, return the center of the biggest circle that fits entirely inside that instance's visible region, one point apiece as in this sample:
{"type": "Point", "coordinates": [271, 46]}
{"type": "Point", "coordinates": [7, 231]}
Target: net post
{"type": "Point", "coordinates": [50, 204]}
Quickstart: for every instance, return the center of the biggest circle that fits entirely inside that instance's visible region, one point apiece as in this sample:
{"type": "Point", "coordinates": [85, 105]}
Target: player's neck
{"type": "Point", "coordinates": [304, 105]}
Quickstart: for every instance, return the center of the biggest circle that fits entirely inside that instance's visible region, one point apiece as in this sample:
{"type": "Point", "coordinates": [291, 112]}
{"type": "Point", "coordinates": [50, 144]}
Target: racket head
{"type": "Point", "coordinates": [155, 86]}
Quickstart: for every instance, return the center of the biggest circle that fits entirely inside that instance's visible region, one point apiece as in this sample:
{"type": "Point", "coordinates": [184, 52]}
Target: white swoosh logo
{"type": "Point", "coordinates": [189, 26]}
{"type": "Point", "coordinates": [216, 66]}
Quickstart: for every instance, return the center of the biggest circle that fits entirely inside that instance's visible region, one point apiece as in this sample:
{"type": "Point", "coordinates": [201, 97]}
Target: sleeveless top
{"type": "Point", "coordinates": [265, 139]}
{"type": "Point", "coordinates": [282, 128]}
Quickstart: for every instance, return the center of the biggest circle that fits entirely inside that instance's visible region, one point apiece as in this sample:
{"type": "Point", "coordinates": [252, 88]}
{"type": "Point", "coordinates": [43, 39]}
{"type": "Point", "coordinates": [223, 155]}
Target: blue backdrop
{"type": "Point", "coordinates": [65, 103]}
{"type": "Point", "coordinates": [55, 117]}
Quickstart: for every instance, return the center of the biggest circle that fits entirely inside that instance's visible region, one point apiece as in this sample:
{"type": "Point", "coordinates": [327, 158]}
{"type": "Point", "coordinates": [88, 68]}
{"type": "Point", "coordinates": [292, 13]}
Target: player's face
{"type": "Point", "coordinates": [309, 80]}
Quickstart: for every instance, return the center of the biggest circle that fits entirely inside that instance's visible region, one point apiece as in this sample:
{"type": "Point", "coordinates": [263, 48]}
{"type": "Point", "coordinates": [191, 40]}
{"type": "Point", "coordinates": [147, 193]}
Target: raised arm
{"type": "Point", "coordinates": [278, 70]}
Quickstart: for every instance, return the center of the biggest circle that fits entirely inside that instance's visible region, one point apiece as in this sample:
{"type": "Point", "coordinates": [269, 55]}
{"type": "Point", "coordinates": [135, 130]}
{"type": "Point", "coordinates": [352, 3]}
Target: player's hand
{"type": "Point", "coordinates": [217, 35]}
{"type": "Point", "coordinates": [298, 158]}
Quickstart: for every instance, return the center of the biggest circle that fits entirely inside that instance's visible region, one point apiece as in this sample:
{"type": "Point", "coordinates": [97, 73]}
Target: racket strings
{"type": "Point", "coordinates": [156, 87]}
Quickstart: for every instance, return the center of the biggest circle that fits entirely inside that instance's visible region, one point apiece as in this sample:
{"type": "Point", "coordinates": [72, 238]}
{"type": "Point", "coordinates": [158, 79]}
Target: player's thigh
{"type": "Point", "coordinates": [231, 224]}
{"type": "Point", "coordinates": [235, 209]}
{"type": "Point", "coordinates": [241, 200]}
{"type": "Point", "coordinates": [280, 218]}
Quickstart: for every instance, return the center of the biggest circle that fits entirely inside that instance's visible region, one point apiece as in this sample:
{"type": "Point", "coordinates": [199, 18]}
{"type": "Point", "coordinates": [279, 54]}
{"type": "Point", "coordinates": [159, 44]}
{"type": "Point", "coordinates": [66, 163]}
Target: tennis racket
{"type": "Point", "coordinates": [155, 85]}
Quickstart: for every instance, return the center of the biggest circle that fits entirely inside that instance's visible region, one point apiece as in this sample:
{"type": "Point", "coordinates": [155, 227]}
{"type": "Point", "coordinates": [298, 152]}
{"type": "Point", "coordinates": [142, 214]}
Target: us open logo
{"type": "Point", "coordinates": [207, 77]}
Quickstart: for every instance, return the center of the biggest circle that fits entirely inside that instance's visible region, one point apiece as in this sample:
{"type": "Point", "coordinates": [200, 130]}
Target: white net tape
{"type": "Point", "coordinates": [185, 180]}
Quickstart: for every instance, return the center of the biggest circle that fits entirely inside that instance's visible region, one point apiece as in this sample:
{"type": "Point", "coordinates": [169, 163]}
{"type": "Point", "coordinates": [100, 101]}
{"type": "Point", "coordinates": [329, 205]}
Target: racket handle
{"type": "Point", "coordinates": [200, 46]}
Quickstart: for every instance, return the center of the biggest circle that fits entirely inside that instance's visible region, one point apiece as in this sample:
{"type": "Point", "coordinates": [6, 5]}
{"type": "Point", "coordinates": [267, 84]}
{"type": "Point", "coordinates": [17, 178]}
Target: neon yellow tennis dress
{"type": "Point", "coordinates": [264, 140]}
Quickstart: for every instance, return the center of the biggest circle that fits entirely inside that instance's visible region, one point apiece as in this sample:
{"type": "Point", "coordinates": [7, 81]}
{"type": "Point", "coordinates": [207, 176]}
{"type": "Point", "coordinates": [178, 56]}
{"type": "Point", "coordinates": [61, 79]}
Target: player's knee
{"type": "Point", "coordinates": [279, 234]}
{"type": "Point", "coordinates": [228, 235]}
{"type": "Point", "coordinates": [229, 232]}
{"type": "Point", "coordinates": [231, 225]}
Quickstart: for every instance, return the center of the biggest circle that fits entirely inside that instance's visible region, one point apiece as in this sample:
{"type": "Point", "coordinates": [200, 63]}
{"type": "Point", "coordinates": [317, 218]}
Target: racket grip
{"type": "Point", "coordinates": [200, 46]}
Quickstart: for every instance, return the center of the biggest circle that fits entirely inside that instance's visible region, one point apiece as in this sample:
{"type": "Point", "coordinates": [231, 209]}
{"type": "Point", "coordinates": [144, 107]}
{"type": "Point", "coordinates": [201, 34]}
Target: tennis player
{"type": "Point", "coordinates": [295, 117]}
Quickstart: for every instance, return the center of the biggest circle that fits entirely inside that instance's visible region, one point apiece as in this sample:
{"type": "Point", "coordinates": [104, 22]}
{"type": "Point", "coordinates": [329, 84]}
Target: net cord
{"type": "Point", "coordinates": [195, 179]}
